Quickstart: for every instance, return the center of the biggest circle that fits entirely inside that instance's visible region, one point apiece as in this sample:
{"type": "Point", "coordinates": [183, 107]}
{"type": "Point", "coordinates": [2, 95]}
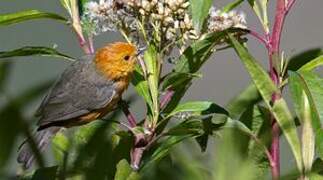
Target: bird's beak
{"type": "Point", "coordinates": [141, 51]}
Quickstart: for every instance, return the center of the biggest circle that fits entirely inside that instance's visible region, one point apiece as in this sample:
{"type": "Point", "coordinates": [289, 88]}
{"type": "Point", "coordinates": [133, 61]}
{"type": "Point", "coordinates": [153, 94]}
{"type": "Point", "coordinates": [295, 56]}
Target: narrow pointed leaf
{"type": "Point", "coordinates": [141, 86]}
{"type": "Point", "coordinates": [267, 88]}
{"type": "Point", "coordinates": [299, 60]}
{"type": "Point", "coordinates": [34, 51]}
{"type": "Point", "coordinates": [150, 58]}
{"type": "Point", "coordinates": [13, 18]}
{"type": "Point", "coordinates": [310, 85]}
{"type": "Point", "coordinates": [312, 64]}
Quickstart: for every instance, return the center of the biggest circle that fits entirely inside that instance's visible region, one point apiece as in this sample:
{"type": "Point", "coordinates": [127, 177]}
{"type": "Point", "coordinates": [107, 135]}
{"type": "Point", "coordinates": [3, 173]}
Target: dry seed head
{"type": "Point", "coordinates": [220, 21]}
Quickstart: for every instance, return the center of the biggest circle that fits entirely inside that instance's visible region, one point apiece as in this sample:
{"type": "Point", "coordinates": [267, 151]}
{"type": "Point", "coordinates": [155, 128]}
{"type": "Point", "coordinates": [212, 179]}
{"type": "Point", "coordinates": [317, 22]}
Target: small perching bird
{"type": "Point", "coordinates": [87, 90]}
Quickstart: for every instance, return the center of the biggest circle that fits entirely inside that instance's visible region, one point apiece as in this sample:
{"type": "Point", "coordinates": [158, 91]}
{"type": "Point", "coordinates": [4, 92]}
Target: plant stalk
{"type": "Point", "coordinates": [282, 9]}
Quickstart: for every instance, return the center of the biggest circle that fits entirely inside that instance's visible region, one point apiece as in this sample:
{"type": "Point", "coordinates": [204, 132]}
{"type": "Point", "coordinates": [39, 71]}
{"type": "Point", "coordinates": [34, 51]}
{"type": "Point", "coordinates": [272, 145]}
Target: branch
{"type": "Point", "coordinates": [259, 37]}
{"type": "Point", "coordinates": [130, 117]}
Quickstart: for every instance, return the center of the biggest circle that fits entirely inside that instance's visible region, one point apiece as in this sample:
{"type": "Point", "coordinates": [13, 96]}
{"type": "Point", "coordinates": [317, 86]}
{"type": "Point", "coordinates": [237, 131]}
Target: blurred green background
{"type": "Point", "coordinates": [223, 75]}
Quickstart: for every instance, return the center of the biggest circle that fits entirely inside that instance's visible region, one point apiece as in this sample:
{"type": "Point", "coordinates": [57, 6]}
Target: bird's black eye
{"type": "Point", "coordinates": [126, 58]}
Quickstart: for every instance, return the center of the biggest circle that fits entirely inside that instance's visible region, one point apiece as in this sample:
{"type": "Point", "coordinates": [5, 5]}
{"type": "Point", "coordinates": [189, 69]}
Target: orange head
{"type": "Point", "coordinates": [116, 60]}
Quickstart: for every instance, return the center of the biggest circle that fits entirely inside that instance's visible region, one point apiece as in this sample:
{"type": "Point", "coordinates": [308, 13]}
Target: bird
{"type": "Point", "coordinates": [87, 90]}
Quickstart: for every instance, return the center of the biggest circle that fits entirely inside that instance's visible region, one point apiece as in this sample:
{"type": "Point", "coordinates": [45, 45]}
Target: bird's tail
{"type": "Point", "coordinates": [41, 138]}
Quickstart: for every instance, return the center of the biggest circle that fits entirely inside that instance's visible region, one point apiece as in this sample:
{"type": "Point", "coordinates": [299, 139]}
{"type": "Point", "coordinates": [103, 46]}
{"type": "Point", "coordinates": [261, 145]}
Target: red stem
{"type": "Point", "coordinates": [259, 37]}
{"type": "Point", "coordinates": [274, 51]}
{"type": "Point", "coordinates": [130, 117]}
{"type": "Point", "coordinates": [165, 100]}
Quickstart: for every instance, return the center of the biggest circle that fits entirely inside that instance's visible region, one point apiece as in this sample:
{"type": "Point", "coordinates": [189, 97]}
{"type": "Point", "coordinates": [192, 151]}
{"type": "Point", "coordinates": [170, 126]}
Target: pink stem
{"type": "Point", "coordinates": [259, 37]}
{"type": "Point", "coordinates": [83, 43]}
{"type": "Point", "coordinates": [165, 100]}
{"type": "Point", "coordinates": [130, 117]}
{"type": "Point", "coordinates": [136, 155]}
{"type": "Point", "coordinates": [91, 45]}
{"type": "Point", "coordinates": [274, 50]}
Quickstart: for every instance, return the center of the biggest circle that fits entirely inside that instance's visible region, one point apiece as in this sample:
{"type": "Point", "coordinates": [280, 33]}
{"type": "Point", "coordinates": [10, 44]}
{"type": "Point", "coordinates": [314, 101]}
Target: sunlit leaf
{"type": "Point", "coordinates": [267, 88]}
{"type": "Point", "coordinates": [312, 64]}
{"type": "Point", "coordinates": [297, 61]}
{"type": "Point", "coordinates": [60, 146]}
{"type": "Point", "coordinates": [141, 86]}
{"type": "Point", "coordinates": [125, 172]}
{"type": "Point", "coordinates": [13, 18]}
{"type": "Point", "coordinates": [200, 10]}
{"type": "Point", "coordinates": [308, 85]}
{"type": "Point", "coordinates": [34, 51]}
{"type": "Point", "coordinates": [150, 58]}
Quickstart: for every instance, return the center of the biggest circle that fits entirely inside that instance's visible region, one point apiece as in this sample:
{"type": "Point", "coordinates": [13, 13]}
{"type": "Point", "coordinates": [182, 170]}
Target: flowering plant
{"type": "Point", "coordinates": [184, 34]}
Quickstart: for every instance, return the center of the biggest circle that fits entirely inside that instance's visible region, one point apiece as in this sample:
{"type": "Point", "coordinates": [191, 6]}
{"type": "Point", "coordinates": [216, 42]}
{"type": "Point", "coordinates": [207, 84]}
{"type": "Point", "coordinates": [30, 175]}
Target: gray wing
{"type": "Point", "coordinates": [79, 90]}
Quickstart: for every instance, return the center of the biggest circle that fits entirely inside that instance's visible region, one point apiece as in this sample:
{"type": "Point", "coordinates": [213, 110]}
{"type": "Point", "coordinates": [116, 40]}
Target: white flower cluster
{"type": "Point", "coordinates": [101, 16]}
{"type": "Point", "coordinates": [168, 20]}
{"type": "Point", "coordinates": [220, 21]}
{"type": "Point", "coordinates": [171, 15]}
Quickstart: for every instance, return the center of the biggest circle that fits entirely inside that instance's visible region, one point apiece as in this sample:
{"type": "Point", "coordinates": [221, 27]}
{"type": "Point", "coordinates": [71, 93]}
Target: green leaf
{"type": "Point", "coordinates": [191, 61]}
{"type": "Point", "coordinates": [304, 110]}
{"type": "Point", "coordinates": [81, 4]}
{"type": "Point", "coordinates": [163, 149]}
{"type": "Point", "coordinates": [125, 172]}
{"type": "Point", "coordinates": [231, 5]}
{"type": "Point", "coordinates": [286, 123]}
{"type": "Point", "coordinates": [260, 10]}
{"type": "Point", "coordinates": [200, 11]}
{"type": "Point", "coordinates": [198, 108]}
{"type": "Point", "coordinates": [141, 86]}
{"type": "Point", "coordinates": [48, 173]}
{"type": "Point", "coordinates": [187, 127]}
{"type": "Point", "coordinates": [247, 98]}
{"type": "Point", "coordinates": [34, 51]}
{"type": "Point", "coordinates": [259, 76]}
{"type": "Point", "coordinates": [195, 55]}
{"type": "Point", "coordinates": [176, 79]}
{"type": "Point", "coordinates": [60, 146]}
{"type": "Point", "coordinates": [257, 119]}
{"type": "Point", "coordinates": [267, 88]}
{"type": "Point", "coordinates": [13, 18]}
{"type": "Point", "coordinates": [85, 132]}
{"type": "Point", "coordinates": [229, 163]}
{"type": "Point", "coordinates": [297, 61]}
{"type": "Point", "coordinates": [151, 60]}
{"type": "Point", "coordinates": [312, 64]}
{"type": "Point", "coordinates": [307, 87]}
